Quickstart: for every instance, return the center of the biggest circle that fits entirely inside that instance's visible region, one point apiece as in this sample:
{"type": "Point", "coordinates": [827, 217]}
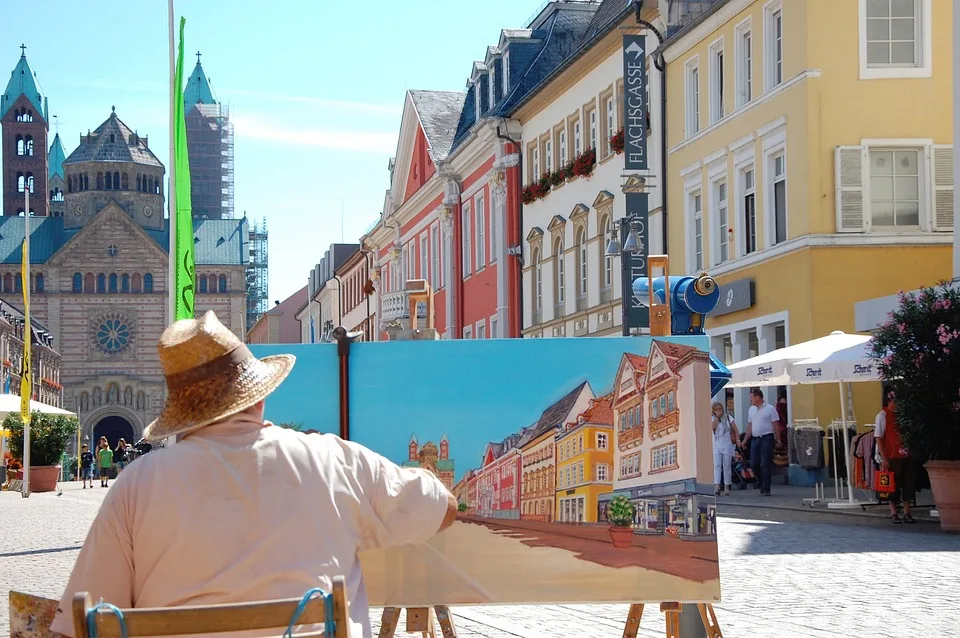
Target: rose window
{"type": "Point", "coordinates": [113, 335]}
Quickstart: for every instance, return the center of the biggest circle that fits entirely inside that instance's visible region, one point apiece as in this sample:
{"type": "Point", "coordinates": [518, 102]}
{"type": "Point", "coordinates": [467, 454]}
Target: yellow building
{"type": "Point", "coordinates": [811, 167]}
{"type": "Point", "coordinates": [585, 462]}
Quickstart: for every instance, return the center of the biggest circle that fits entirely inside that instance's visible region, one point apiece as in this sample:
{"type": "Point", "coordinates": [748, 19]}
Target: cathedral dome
{"type": "Point", "coordinates": [113, 141]}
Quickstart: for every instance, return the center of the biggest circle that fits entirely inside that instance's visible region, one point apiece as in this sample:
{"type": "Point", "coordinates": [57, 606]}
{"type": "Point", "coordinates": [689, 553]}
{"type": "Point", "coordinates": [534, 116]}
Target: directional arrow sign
{"type": "Point", "coordinates": [635, 49]}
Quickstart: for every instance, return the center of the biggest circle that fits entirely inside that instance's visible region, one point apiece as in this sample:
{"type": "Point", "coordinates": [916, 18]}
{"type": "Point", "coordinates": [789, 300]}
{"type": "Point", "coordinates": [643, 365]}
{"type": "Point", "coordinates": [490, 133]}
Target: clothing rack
{"type": "Point", "coordinates": [810, 424]}
{"type": "Point", "coordinates": [836, 454]}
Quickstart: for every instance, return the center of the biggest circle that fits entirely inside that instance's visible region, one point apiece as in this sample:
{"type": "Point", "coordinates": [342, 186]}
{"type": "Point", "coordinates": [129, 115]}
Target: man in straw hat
{"type": "Point", "coordinates": [239, 510]}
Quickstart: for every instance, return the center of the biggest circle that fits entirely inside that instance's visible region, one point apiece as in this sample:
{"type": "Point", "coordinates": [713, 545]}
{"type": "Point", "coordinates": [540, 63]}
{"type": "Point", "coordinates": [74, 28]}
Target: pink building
{"type": "Point", "coordinates": [280, 324]}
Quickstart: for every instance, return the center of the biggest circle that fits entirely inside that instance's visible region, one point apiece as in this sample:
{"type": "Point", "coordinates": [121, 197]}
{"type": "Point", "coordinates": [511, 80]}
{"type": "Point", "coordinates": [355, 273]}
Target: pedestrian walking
{"type": "Point", "coordinates": [895, 458]}
{"type": "Point", "coordinates": [120, 455]}
{"type": "Point", "coordinates": [239, 510]}
{"type": "Point", "coordinates": [762, 423]}
{"type": "Point", "coordinates": [104, 461]}
{"type": "Point", "coordinates": [86, 466]}
{"type": "Point", "coordinates": [725, 439]}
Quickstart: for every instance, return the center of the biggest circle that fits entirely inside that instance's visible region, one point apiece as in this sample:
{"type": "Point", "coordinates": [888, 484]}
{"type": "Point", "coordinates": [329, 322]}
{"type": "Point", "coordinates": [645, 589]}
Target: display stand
{"type": "Point", "coordinates": [661, 325]}
{"type": "Point", "coordinates": [419, 619]}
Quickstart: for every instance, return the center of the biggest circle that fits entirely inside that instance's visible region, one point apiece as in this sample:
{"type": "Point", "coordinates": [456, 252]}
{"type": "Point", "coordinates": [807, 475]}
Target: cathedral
{"type": "Point", "coordinates": [99, 255]}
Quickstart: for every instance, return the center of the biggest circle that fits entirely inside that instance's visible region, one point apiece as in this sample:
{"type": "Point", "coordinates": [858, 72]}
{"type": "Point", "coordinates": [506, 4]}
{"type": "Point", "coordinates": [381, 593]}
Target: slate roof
{"type": "Point", "coordinates": [553, 416]}
{"type": "Point", "coordinates": [438, 112]}
{"type": "Point", "coordinates": [55, 157]}
{"type": "Point", "coordinates": [21, 83]}
{"type": "Point", "coordinates": [218, 242]}
{"type": "Point", "coordinates": [197, 90]}
{"type": "Point", "coordinates": [555, 57]}
{"type": "Point", "coordinates": [126, 146]}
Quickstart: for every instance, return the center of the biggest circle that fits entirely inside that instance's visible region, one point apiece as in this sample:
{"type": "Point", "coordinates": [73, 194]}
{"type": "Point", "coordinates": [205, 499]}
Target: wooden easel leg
{"type": "Point", "coordinates": [671, 614]}
{"type": "Point", "coordinates": [388, 622]}
{"type": "Point", "coordinates": [709, 618]}
{"type": "Point", "coordinates": [445, 618]}
{"type": "Point", "coordinates": [633, 621]}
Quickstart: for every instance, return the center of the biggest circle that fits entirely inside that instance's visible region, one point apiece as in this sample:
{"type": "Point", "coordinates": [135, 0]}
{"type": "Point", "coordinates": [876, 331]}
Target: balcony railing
{"type": "Point", "coordinates": [664, 425]}
{"type": "Point", "coordinates": [629, 436]}
{"type": "Point", "coordinates": [396, 305]}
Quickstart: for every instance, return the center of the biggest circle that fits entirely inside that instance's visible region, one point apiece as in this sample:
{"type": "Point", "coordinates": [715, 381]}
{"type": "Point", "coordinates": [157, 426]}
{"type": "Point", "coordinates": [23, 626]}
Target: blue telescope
{"type": "Point", "coordinates": [691, 300]}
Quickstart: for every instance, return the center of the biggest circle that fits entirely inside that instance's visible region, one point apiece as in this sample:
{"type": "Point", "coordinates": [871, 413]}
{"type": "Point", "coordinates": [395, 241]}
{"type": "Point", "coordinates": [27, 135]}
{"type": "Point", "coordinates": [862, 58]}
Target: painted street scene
{"type": "Point", "coordinates": [501, 320]}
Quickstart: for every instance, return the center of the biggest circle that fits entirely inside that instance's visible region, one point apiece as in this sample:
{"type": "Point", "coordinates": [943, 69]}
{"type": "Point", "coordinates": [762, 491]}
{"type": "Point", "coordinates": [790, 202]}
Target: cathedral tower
{"type": "Point", "coordinates": [210, 144]}
{"type": "Point", "coordinates": [23, 127]}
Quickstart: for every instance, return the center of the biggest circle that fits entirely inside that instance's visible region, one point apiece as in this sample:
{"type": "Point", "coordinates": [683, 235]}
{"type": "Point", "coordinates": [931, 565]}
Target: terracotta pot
{"type": "Point", "coordinates": [945, 483]}
{"type": "Point", "coordinates": [622, 537]}
{"type": "Point", "coordinates": [44, 478]}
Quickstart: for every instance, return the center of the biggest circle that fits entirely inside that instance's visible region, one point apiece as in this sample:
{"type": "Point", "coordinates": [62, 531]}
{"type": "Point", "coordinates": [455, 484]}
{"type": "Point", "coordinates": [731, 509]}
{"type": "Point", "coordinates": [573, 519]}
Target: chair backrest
{"type": "Point", "coordinates": [211, 619]}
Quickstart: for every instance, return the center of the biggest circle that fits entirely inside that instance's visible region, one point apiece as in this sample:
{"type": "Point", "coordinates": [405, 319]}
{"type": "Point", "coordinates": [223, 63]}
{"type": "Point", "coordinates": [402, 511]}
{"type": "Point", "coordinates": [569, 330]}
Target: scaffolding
{"type": "Point", "coordinates": [210, 143]}
{"type": "Point", "coordinates": [226, 136]}
{"type": "Point", "coordinates": [257, 272]}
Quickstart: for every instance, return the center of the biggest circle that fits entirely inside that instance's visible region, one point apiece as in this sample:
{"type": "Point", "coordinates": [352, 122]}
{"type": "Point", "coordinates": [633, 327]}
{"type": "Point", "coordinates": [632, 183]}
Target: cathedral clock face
{"type": "Point", "coordinates": [147, 211]}
{"type": "Point", "coordinates": [78, 211]}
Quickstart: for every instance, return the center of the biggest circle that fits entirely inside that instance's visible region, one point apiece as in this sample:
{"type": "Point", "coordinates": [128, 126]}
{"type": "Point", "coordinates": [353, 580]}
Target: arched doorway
{"type": "Point", "coordinates": [114, 428]}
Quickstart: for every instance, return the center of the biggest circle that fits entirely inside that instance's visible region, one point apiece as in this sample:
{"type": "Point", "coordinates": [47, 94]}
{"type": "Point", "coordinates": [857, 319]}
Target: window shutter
{"type": "Point", "coordinates": [851, 162]}
{"type": "Point", "coordinates": [942, 216]}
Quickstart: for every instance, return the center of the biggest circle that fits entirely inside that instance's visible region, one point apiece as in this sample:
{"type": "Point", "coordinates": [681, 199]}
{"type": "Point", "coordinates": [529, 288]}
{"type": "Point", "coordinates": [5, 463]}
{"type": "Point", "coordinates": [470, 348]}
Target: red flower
{"type": "Point", "coordinates": [617, 142]}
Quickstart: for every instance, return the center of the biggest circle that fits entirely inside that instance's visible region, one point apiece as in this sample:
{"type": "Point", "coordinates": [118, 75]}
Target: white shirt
{"type": "Point", "coordinates": [240, 512]}
{"type": "Point", "coordinates": [721, 436]}
{"type": "Point", "coordinates": [762, 419]}
{"type": "Point", "coordinates": [880, 424]}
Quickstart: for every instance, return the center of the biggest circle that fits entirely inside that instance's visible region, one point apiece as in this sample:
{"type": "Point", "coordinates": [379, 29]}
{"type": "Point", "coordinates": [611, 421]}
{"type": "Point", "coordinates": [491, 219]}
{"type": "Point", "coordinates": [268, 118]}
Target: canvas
{"type": "Point", "coordinates": [535, 438]}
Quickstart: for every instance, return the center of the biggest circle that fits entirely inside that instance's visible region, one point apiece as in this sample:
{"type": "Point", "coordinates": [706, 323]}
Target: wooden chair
{"type": "Point", "coordinates": [210, 619]}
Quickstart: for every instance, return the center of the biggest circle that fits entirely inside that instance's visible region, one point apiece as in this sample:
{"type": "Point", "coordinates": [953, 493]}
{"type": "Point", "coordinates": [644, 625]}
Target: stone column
{"type": "Point", "coordinates": [741, 398]}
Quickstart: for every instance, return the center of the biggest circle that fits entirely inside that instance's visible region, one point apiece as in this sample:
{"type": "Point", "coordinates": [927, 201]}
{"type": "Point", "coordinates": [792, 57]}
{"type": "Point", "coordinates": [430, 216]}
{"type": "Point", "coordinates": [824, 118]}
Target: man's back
{"type": "Point", "coordinates": [238, 512]}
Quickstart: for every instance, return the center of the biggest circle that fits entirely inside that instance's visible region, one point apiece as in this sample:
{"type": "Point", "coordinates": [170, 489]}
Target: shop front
{"type": "Point", "coordinates": [682, 509]}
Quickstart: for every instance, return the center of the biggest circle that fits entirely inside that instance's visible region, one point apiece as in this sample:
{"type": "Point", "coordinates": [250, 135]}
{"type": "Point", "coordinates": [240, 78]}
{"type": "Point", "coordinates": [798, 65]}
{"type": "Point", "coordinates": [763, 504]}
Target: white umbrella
{"type": "Point", "coordinates": [849, 365]}
{"type": "Point", "coordinates": [774, 368]}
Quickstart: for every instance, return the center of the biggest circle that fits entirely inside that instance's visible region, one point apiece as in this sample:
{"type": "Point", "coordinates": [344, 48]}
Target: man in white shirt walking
{"type": "Point", "coordinates": [762, 422]}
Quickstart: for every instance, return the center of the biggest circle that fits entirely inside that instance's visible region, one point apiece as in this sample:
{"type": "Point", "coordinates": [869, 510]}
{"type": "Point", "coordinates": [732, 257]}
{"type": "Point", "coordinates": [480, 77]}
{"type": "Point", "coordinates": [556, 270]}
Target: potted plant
{"type": "Point", "coordinates": [49, 434]}
{"type": "Point", "coordinates": [620, 514]}
{"type": "Point", "coordinates": [918, 356]}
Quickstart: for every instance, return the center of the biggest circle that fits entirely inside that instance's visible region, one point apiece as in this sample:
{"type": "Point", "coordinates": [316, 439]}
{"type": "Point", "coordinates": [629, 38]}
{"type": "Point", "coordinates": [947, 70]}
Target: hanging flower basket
{"type": "Point", "coordinates": [617, 142]}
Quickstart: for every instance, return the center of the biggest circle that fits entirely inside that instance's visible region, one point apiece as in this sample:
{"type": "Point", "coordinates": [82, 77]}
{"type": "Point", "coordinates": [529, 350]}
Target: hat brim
{"type": "Point", "coordinates": [200, 404]}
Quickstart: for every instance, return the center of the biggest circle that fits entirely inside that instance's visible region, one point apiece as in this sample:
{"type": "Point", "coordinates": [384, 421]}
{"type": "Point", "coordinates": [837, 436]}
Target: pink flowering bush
{"type": "Point", "coordinates": [918, 354]}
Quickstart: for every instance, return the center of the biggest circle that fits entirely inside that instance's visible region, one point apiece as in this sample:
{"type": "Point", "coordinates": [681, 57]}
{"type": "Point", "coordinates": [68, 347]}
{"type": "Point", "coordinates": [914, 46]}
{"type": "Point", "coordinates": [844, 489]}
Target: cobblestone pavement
{"type": "Point", "coordinates": [803, 574]}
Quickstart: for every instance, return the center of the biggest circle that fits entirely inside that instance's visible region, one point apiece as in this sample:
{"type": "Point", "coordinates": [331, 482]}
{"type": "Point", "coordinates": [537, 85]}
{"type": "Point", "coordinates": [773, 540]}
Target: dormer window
{"type": "Point", "coordinates": [493, 83]}
{"type": "Point", "coordinates": [478, 97]}
{"type": "Point", "coordinates": [505, 61]}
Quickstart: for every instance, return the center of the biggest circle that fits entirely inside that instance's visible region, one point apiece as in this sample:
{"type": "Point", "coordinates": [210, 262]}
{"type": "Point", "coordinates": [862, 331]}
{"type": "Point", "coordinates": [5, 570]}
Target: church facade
{"type": "Point", "coordinates": [99, 260]}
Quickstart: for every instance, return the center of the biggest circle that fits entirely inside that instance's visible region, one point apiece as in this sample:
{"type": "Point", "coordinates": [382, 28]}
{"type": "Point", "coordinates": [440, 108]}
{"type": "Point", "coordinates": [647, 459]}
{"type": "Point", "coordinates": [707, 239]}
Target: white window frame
{"type": "Point", "coordinates": [538, 280]}
{"type": "Point", "coordinates": [536, 163]}
{"type": "Point", "coordinates": [743, 55]}
{"type": "Point", "coordinates": [610, 104]}
{"type": "Point", "coordinates": [605, 471]}
{"type": "Point", "coordinates": [583, 282]}
{"type": "Point", "coordinates": [468, 332]}
{"type": "Point", "coordinates": [718, 231]}
{"type": "Point", "coordinates": [717, 80]}
{"type": "Point", "coordinates": [494, 327]}
{"type": "Point", "coordinates": [594, 135]}
{"type": "Point", "coordinates": [548, 155]}
{"type": "Point", "coordinates": [424, 257]}
{"type": "Point", "coordinates": [603, 441]}
{"type": "Point", "coordinates": [435, 256]}
{"type": "Point", "coordinates": [478, 98]}
{"type": "Point", "coordinates": [559, 270]}
{"type": "Point", "coordinates": [742, 164]}
{"type": "Point", "coordinates": [480, 205]}
{"type": "Point", "coordinates": [691, 189]}
{"type": "Point", "coordinates": [577, 138]}
{"type": "Point", "coordinates": [924, 66]}
{"type": "Point", "coordinates": [607, 280]}
{"type": "Point", "coordinates": [770, 12]}
{"type": "Point", "coordinates": [505, 63]}
{"type": "Point", "coordinates": [774, 145]}
{"type": "Point", "coordinates": [563, 147]}
{"type": "Point", "coordinates": [922, 203]}
{"type": "Point", "coordinates": [466, 229]}
{"type": "Point", "coordinates": [481, 329]}
{"type": "Point", "coordinates": [495, 212]}
{"type": "Point", "coordinates": [492, 84]}
{"type": "Point", "coordinates": [691, 81]}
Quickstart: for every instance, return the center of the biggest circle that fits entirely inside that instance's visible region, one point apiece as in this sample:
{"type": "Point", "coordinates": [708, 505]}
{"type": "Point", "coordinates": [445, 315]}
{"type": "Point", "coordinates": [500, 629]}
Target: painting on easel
{"type": "Point", "coordinates": [583, 467]}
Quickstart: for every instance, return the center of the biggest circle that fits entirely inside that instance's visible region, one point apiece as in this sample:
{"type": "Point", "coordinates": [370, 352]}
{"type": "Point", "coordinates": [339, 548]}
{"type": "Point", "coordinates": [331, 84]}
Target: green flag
{"type": "Point", "coordinates": [182, 224]}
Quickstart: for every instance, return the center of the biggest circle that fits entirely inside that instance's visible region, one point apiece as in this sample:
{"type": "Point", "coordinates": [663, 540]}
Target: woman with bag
{"type": "Point", "coordinates": [725, 437]}
{"type": "Point", "coordinates": [896, 459]}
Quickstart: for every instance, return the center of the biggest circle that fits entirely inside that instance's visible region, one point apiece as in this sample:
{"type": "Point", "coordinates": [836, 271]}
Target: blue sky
{"type": "Point", "coordinates": [475, 391]}
{"type": "Point", "coordinates": [316, 90]}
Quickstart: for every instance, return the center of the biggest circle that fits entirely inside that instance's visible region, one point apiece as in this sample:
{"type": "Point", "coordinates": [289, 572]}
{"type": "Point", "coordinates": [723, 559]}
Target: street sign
{"type": "Point", "coordinates": [634, 263]}
{"type": "Point", "coordinates": [635, 102]}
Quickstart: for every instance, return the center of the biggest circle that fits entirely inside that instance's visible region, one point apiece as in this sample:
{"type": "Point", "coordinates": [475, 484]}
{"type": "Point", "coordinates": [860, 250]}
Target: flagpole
{"type": "Point", "coordinates": [172, 190]}
{"type": "Point", "coordinates": [25, 366]}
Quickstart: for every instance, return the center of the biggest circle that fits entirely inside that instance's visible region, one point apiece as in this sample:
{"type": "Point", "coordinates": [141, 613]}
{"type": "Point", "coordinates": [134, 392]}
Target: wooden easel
{"type": "Point", "coordinates": [418, 619]}
{"type": "Point", "coordinates": [661, 326]}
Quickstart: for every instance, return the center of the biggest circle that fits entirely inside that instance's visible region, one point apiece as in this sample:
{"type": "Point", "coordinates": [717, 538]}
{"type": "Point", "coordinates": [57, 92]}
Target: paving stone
{"type": "Point", "coordinates": [813, 576]}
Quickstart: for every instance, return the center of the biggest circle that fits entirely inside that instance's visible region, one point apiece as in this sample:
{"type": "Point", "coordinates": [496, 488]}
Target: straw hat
{"type": "Point", "coordinates": [210, 375]}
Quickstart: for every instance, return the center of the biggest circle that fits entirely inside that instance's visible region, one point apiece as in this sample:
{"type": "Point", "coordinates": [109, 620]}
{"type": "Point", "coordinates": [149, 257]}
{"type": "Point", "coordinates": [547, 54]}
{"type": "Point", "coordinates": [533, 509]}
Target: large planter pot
{"type": "Point", "coordinates": [44, 478]}
{"type": "Point", "coordinates": [622, 537]}
{"type": "Point", "coordinates": [945, 483]}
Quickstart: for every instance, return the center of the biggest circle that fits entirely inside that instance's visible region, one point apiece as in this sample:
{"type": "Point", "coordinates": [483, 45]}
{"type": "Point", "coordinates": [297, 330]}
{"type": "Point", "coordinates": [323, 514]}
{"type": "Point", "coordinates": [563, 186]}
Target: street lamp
{"type": "Point", "coordinates": [613, 246]}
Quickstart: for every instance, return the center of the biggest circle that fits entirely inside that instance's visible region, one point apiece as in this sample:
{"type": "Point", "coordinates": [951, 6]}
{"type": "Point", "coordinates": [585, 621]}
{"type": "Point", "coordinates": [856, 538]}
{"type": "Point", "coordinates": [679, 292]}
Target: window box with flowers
{"type": "Point", "coordinates": [584, 164]}
{"type": "Point", "coordinates": [918, 356]}
{"type": "Point", "coordinates": [617, 142]}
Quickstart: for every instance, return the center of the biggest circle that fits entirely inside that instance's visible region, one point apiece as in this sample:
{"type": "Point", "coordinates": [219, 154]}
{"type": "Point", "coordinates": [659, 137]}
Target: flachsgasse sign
{"type": "Point", "coordinates": [635, 102]}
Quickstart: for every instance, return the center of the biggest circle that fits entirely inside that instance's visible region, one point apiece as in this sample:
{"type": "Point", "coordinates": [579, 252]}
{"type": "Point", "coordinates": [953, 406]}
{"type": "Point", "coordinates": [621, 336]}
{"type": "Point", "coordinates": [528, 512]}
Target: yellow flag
{"type": "Point", "coordinates": [26, 369]}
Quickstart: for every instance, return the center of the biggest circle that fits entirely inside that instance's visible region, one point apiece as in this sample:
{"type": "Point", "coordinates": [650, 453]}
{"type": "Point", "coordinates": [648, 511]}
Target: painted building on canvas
{"type": "Point", "coordinates": [432, 457]}
{"type": "Point", "coordinates": [662, 443]}
{"type": "Point", "coordinates": [584, 462]}
{"type": "Point", "coordinates": [538, 454]}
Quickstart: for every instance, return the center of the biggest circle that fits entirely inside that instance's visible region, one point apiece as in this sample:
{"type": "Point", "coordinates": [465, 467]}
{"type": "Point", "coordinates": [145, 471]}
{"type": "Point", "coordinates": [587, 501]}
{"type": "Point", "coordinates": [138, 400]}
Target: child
{"type": "Point", "coordinates": [86, 466]}
{"type": "Point", "coordinates": [105, 456]}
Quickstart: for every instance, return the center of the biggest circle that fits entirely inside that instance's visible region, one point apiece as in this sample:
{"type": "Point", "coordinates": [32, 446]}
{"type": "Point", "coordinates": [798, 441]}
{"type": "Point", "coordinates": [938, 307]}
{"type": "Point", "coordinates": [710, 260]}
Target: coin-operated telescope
{"type": "Point", "coordinates": [679, 306]}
